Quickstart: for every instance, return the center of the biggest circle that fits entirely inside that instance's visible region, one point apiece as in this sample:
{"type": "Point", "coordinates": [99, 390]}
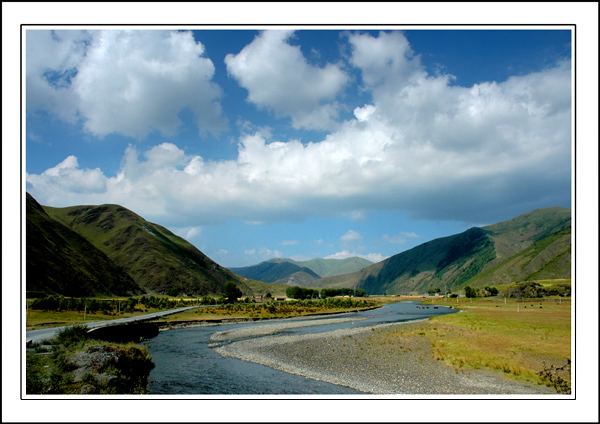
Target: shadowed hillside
{"type": "Point", "coordinates": [154, 257]}
{"type": "Point", "coordinates": [60, 261]}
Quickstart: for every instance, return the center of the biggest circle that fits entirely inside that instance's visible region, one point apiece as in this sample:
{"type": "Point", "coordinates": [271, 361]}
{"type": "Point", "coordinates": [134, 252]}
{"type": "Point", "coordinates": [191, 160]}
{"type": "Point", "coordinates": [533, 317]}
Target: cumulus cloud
{"type": "Point", "coordinates": [344, 254]}
{"type": "Point", "coordinates": [278, 77]}
{"type": "Point", "coordinates": [364, 113]}
{"type": "Point", "coordinates": [351, 237]}
{"type": "Point", "coordinates": [66, 180]}
{"type": "Point", "coordinates": [422, 146]}
{"type": "Point", "coordinates": [126, 82]}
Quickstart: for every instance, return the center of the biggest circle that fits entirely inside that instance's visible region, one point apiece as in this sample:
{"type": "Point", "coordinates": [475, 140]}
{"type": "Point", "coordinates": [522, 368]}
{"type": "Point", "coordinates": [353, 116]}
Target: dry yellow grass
{"type": "Point", "coordinates": [495, 336]}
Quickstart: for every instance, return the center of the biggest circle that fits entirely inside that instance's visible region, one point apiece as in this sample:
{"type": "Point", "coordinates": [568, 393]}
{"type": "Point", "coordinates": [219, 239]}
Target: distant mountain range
{"type": "Point", "coordinates": [300, 273]}
{"type": "Point", "coordinates": [110, 250]}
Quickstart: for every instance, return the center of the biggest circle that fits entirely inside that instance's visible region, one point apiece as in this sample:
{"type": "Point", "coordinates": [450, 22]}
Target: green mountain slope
{"type": "Point", "coordinates": [451, 262]}
{"type": "Point", "coordinates": [548, 258]}
{"type": "Point", "coordinates": [154, 257]}
{"type": "Point", "coordinates": [60, 261]}
{"type": "Point", "coordinates": [514, 235]}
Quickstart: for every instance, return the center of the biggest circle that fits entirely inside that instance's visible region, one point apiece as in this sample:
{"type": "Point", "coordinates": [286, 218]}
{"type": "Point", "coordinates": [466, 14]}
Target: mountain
{"type": "Point", "coordinates": [540, 237]}
{"type": "Point", "coordinates": [301, 273]}
{"type": "Point", "coordinates": [273, 271]}
{"type": "Point", "coordinates": [155, 258]}
{"type": "Point", "coordinates": [301, 278]}
{"type": "Point", "coordinates": [60, 261]}
{"type": "Point", "coordinates": [331, 267]}
{"type": "Point", "coordinates": [548, 258]}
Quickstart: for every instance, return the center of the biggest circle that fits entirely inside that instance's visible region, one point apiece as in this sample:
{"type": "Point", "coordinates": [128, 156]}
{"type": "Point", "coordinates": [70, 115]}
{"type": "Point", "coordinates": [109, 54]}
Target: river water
{"type": "Point", "coordinates": [185, 364]}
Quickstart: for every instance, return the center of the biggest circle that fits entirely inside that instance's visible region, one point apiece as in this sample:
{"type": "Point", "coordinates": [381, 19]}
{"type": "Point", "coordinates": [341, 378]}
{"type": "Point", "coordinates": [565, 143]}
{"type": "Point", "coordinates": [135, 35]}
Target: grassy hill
{"type": "Point", "coordinates": [514, 235]}
{"type": "Point", "coordinates": [548, 258]}
{"type": "Point", "coordinates": [60, 261]}
{"type": "Point", "coordinates": [155, 258]}
{"type": "Point", "coordinates": [303, 273]}
{"type": "Point", "coordinates": [535, 244]}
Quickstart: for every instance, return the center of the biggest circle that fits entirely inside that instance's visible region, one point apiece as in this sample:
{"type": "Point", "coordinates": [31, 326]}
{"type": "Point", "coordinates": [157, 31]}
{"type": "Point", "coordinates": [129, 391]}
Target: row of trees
{"type": "Point", "coordinates": [481, 292]}
{"type": "Point", "coordinates": [342, 292]}
{"type": "Point", "coordinates": [531, 289]}
{"type": "Point", "coordinates": [61, 303]}
{"type": "Point", "coordinates": [296, 292]}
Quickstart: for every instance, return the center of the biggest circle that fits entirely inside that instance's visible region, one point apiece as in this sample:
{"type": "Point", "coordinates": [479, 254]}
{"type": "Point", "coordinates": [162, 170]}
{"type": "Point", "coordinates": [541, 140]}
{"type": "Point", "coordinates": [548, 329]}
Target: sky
{"type": "Point", "coordinates": [301, 143]}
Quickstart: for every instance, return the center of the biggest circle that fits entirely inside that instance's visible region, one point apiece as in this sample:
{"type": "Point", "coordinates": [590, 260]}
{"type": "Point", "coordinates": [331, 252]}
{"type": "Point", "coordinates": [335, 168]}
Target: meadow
{"type": "Point", "coordinates": [518, 339]}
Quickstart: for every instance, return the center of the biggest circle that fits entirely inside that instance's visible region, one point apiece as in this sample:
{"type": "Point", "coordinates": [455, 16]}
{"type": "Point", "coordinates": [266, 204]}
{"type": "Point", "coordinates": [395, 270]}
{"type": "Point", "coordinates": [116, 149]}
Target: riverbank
{"type": "Point", "coordinates": [173, 323]}
{"type": "Point", "coordinates": [73, 363]}
{"type": "Point", "coordinates": [367, 360]}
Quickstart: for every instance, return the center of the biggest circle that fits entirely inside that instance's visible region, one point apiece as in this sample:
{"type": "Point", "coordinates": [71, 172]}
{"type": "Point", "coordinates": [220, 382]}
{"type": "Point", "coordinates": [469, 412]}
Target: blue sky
{"type": "Point", "coordinates": [306, 143]}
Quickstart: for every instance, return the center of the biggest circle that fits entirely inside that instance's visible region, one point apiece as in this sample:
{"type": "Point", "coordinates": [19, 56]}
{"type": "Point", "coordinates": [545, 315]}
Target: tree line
{"type": "Point", "coordinates": [296, 292]}
{"type": "Point", "coordinates": [61, 303]}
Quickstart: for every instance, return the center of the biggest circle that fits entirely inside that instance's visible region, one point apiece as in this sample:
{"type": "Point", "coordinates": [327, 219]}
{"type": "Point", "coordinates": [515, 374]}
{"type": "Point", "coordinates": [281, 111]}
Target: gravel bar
{"type": "Point", "coordinates": [267, 329]}
{"type": "Point", "coordinates": [357, 358]}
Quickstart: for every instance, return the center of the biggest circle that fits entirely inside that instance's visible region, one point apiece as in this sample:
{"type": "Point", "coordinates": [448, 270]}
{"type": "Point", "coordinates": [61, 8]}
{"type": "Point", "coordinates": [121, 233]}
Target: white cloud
{"type": "Point", "coordinates": [193, 232]}
{"type": "Point", "coordinates": [364, 113]}
{"type": "Point", "coordinates": [279, 78]}
{"type": "Point", "coordinates": [126, 82]}
{"type": "Point", "coordinates": [427, 148]}
{"type": "Point", "coordinates": [344, 254]}
{"type": "Point", "coordinates": [351, 237]}
{"type": "Point", "coordinates": [67, 181]}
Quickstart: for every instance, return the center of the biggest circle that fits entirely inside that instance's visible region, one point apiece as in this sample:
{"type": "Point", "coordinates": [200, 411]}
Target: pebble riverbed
{"type": "Point", "coordinates": [352, 357]}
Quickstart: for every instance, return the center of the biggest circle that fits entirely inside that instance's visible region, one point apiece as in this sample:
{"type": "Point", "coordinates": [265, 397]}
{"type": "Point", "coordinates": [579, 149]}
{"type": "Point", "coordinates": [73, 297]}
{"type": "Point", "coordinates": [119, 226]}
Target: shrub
{"type": "Point", "coordinates": [72, 335]}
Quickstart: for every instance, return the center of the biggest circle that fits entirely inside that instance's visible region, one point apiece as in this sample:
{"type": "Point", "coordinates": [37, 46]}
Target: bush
{"type": "Point", "coordinates": [72, 335]}
{"type": "Point", "coordinates": [232, 292]}
{"type": "Point", "coordinates": [470, 292]}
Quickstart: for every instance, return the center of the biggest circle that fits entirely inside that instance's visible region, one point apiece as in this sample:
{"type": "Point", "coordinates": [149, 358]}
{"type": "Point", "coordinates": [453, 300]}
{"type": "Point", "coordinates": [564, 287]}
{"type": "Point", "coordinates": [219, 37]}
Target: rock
{"type": "Point", "coordinates": [91, 360]}
{"type": "Point", "coordinates": [87, 389]}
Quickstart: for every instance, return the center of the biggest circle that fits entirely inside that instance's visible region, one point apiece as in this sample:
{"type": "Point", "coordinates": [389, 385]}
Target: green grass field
{"type": "Point", "coordinates": [495, 335]}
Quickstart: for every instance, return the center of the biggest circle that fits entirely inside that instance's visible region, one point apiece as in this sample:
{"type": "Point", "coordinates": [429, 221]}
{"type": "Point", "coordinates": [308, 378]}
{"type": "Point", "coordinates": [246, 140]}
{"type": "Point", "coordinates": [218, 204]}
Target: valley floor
{"type": "Point", "coordinates": [368, 361]}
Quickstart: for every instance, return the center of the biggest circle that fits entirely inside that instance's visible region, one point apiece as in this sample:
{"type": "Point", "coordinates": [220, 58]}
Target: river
{"type": "Point", "coordinates": [187, 365]}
